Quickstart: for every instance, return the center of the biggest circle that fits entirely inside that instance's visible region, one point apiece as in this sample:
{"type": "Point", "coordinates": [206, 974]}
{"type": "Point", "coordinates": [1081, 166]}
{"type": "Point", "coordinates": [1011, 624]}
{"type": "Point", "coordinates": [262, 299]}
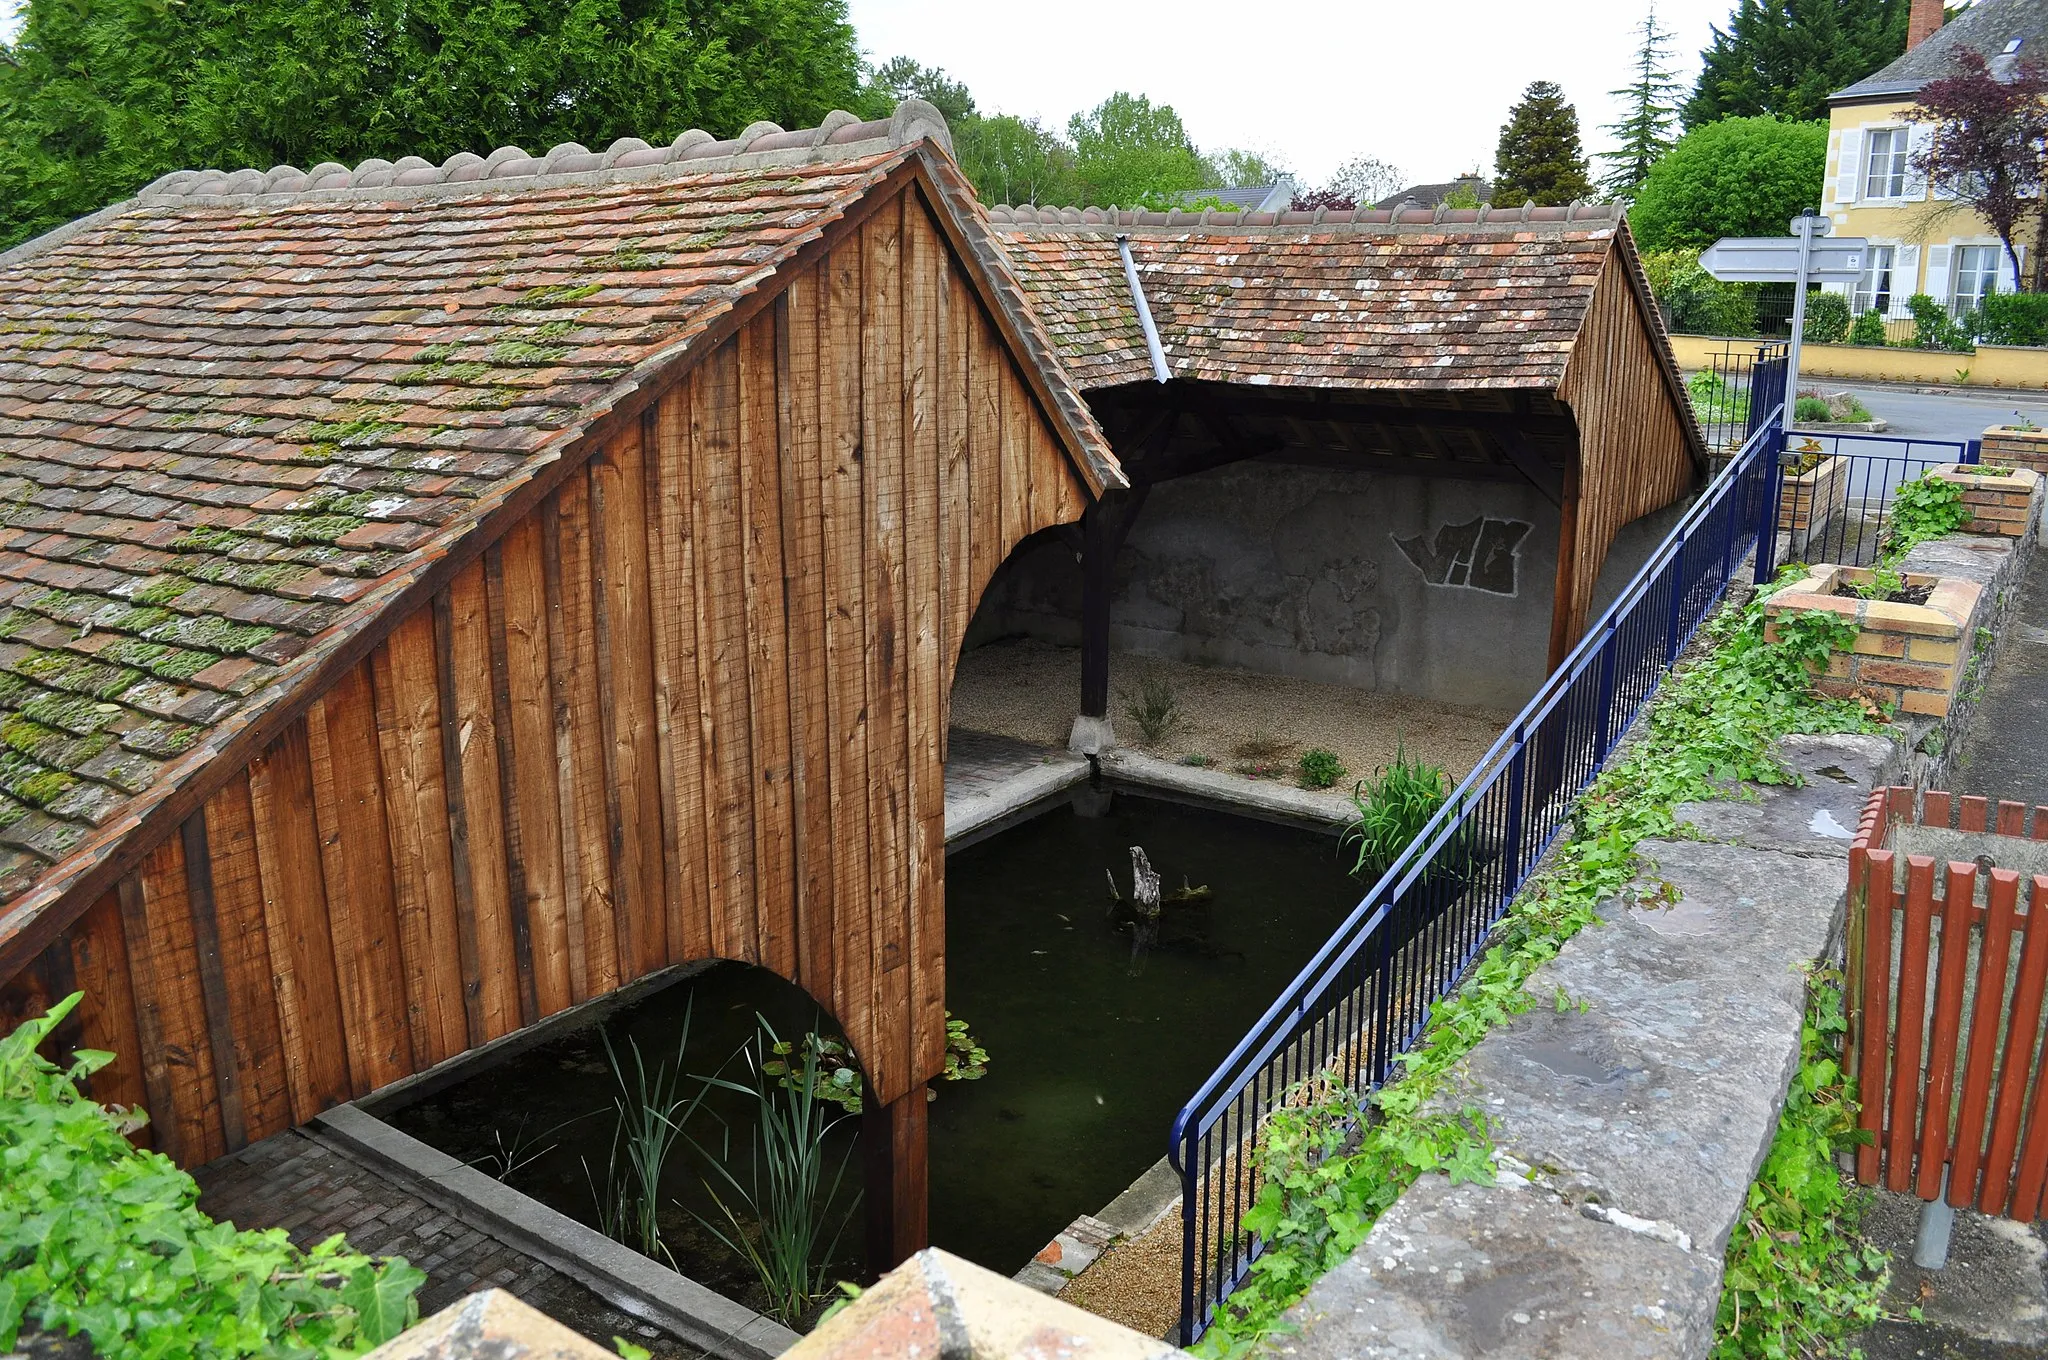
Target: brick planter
{"type": "Point", "coordinates": [2000, 506]}
{"type": "Point", "coordinates": [1909, 656]}
{"type": "Point", "coordinates": [2005, 446]}
{"type": "Point", "coordinates": [1806, 501]}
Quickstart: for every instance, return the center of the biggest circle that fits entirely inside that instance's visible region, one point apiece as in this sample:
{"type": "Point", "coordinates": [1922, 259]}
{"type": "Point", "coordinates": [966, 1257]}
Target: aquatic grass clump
{"type": "Point", "coordinates": [652, 1111]}
{"type": "Point", "coordinates": [783, 1216]}
{"type": "Point", "coordinates": [1393, 807]}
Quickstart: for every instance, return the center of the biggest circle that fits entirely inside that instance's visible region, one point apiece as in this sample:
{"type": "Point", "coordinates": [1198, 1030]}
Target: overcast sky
{"type": "Point", "coordinates": [1423, 85]}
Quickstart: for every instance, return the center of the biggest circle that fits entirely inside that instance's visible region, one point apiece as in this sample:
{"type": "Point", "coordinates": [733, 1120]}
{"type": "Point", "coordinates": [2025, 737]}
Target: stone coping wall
{"type": "Point", "coordinates": [1629, 1124]}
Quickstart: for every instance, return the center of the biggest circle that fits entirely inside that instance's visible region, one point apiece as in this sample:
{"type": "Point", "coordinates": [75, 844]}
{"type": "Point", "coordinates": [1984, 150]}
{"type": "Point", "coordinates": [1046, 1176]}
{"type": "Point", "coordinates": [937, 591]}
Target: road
{"type": "Point", "coordinates": [1948, 415]}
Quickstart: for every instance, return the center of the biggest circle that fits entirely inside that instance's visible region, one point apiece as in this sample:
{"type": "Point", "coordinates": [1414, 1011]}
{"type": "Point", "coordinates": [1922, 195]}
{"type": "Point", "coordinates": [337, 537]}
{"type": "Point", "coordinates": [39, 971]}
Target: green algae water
{"type": "Point", "coordinates": [1092, 1046]}
{"type": "Point", "coordinates": [1091, 1053]}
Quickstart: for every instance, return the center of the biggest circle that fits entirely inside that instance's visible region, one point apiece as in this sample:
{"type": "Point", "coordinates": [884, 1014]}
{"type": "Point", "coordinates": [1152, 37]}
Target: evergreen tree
{"type": "Point", "coordinates": [98, 97]}
{"type": "Point", "coordinates": [1539, 159]}
{"type": "Point", "coordinates": [1785, 57]}
{"type": "Point", "coordinates": [1644, 132]}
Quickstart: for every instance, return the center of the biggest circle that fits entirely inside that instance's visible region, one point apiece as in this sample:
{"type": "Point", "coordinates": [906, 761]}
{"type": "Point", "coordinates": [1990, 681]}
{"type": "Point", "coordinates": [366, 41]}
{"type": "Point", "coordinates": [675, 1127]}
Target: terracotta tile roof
{"type": "Point", "coordinates": [1402, 299]}
{"type": "Point", "coordinates": [240, 413]}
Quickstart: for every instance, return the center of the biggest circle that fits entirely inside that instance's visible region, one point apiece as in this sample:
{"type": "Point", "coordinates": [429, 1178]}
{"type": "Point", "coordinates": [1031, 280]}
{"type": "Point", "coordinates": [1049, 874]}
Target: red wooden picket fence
{"type": "Point", "coordinates": [1947, 973]}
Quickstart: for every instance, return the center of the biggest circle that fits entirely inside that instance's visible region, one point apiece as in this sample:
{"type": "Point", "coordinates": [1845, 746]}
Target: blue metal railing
{"type": "Point", "coordinates": [1366, 995]}
{"type": "Point", "coordinates": [1837, 509]}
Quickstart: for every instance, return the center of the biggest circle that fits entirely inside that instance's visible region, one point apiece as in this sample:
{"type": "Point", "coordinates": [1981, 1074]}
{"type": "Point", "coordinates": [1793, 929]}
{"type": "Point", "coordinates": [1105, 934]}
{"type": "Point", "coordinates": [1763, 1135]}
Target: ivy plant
{"type": "Point", "coordinates": [103, 1238]}
{"type": "Point", "coordinates": [1330, 1166]}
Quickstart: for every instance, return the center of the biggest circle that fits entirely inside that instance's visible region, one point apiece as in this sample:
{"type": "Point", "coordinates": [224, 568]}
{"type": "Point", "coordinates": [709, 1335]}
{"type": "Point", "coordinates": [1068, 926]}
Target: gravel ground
{"type": "Point", "coordinates": [1136, 1283]}
{"type": "Point", "coordinates": [1028, 689]}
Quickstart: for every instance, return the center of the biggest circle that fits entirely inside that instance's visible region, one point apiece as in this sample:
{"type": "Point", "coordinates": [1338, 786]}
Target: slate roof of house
{"type": "Point", "coordinates": [1986, 28]}
{"type": "Point", "coordinates": [240, 413]}
{"type": "Point", "coordinates": [1429, 195]}
{"type": "Point", "coordinates": [1252, 198]}
{"type": "Point", "coordinates": [1401, 299]}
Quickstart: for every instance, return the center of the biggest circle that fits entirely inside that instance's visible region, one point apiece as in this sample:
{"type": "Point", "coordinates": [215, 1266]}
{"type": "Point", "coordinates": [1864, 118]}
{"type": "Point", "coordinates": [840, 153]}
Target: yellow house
{"type": "Point", "coordinates": [1923, 241]}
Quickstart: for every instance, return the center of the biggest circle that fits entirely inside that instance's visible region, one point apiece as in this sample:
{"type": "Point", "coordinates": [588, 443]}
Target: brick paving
{"type": "Point", "coordinates": [305, 1185]}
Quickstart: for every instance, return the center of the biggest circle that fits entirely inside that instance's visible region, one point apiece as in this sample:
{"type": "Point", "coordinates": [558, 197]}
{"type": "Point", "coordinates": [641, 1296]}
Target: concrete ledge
{"type": "Point", "coordinates": [1630, 1105]}
{"type": "Point", "coordinates": [967, 814]}
{"type": "Point", "coordinates": [1219, 788]}
{"type": "Point", "coordinates": [673, 1302]}
{"type": "Point", "coordinates": [489, 1325]}
{"type": "Point", "coordinates": [1505, 1270]}
{"type": "Point", "coordinates": [936, 1306]}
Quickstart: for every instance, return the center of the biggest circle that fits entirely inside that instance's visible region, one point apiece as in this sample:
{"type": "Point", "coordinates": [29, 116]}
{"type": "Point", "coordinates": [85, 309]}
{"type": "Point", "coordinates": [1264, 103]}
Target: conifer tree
{"type": "Point", "coordinates": [1539, 159]}
{"type": "Point", "coordinates": [1644, 132]}
{"type": "Point", "coordinates": [1783, 58]}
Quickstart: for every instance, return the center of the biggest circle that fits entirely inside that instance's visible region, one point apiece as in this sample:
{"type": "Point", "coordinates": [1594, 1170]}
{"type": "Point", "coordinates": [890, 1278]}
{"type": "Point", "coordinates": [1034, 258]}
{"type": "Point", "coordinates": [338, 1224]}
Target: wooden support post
{"type": "Point", "coordinates": [1104, 526]}
{"type": "Point", "coordinates": [893, 1145]}
{"type": "Point", "coordinates": [1566, 610]}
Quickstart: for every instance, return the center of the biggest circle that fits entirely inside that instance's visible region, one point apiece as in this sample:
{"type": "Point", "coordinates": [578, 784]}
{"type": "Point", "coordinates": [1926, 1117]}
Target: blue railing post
{"type": "Point", "coordinates": [1773, 454]}
{"type": "Point", "coordinates": [1973, 452]}
{"type": "Point", "coordinates": [1677, 600]}
{"type": "Point", "coordinates": [1518, 804]}
{"type": "Point", "coordinates": [1608, 649]}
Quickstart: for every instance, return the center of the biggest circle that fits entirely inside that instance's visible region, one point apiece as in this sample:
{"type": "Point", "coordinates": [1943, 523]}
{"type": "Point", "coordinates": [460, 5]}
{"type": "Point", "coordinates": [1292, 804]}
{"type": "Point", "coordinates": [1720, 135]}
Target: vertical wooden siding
{"type": "Point", "coordinates": [692, 707]}
{"type": "Point", "coordinates": [1633, 456]}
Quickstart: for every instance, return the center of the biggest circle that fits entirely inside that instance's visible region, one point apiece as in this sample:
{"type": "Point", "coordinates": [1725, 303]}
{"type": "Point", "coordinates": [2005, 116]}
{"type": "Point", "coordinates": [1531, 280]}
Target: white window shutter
{"type": "Point", "coordinates": [1919, 137]}
{"type": "Point", "coordinates": [1905, 279]}
{"type": "Point", "coordinates": [1849, 166]}
{"type": "Point", "coordinates": [1937, 272]}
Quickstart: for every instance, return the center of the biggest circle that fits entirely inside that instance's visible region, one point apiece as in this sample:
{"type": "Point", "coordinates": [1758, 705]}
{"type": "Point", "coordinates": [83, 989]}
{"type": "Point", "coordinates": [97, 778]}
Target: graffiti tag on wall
{"type": "Point", "coordinates": [1479, 554]}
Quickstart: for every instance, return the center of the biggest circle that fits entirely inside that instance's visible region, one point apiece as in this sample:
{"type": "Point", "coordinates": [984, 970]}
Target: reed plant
{"type": "Point", "coordinates": [783, 1215]}
{"type": "Point", "coordinates": [652, 1109]}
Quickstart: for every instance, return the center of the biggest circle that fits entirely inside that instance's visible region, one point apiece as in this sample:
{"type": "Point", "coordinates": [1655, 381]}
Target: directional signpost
{"type": "Point", "coordinates": [1808, 256]}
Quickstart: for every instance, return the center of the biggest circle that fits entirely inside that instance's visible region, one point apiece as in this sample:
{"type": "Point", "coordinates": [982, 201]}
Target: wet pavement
{"type": "Point", "coordinates": [2005, 754]}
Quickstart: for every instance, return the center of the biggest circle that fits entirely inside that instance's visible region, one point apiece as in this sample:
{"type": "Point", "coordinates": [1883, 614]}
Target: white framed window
{"type": "Point", "coordinates": [1975, 274]}
{"type": "Point", "coordinates": [1874, 289]}
{"type": "Point", "coordinates": [1885, 160]}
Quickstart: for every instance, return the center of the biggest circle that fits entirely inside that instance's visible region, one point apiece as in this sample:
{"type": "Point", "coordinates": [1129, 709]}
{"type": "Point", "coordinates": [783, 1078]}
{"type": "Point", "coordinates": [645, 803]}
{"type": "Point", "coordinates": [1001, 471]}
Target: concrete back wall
{"type": "Point", "coordinates": [1427, 586]}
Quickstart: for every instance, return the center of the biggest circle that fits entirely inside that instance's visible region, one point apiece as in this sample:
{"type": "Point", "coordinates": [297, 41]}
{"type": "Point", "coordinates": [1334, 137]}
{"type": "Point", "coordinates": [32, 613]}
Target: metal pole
{"type": "Point", "coordinates": [1804, 228]}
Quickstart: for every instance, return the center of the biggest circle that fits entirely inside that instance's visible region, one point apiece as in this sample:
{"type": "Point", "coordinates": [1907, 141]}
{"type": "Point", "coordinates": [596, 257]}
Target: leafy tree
{"type": "Point", "coordinates": [1016, 160]}
{"type": "Point", "coordinates": [98, 97]}
{"type": "Point", "coordinates": [1785, 57]}
{"type": "Point", "coordinates": [1539, 159]}
{"type": "Point", "coordinates": [901, 78]}
{"type": "Point", "coordinates": [1737, 177]}
{"type": "Point", "coordinates": [1644, 132]}
{"type": "Point", "coordinates": [1127, 149]}
{"type": "Point", "coordinates": [1237, 168]}
{"type": "Point", "coordinates": [1987, 150]}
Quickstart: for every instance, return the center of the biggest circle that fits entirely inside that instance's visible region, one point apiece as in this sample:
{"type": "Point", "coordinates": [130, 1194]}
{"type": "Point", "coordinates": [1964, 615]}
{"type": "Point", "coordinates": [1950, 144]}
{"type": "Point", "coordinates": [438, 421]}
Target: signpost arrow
{"type": "Point", "coordinates": [1775, 259]}
{"type": "Point", "coordinates": [1806, 257]}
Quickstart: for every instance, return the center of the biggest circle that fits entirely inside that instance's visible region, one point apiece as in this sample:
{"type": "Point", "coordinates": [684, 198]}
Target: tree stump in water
{"type": "Point", "coordinates": [1144, 885]}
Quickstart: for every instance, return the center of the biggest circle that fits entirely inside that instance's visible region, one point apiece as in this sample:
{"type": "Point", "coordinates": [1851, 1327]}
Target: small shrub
{"type": "Point", "coordinates": [1699, 303]}
{"type": "Point", "coordinates": [100, 1238]}
{"type": "Point", "coordinates": [2012, 319]}
{"type": "Point", "coordinates": [1320, 768]}
{"type": "Point", "coordinates": [1868, 329]}
{"type": "Point", "coordinates": [1196, 761]}
{"type": "Point", "coordinates": [1393, 807]}
{"type": "Point", "coordinates": [1155, 708]}
{"type": "Point", "coordinates": [1925, 508]}
{"type": "Point", "coordinates": [1812, 410]}
{"type": "Point", "coordinates": [1714, 401]}
{"type": "Point", "coordinates": [1827, 318]}
{"type": "Point", "coordinates": [1934, 328]}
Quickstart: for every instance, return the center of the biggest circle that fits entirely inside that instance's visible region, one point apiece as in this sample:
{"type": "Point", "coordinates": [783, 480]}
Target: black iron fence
{"type": "Point", "coordinates": [1367, 994]}
{"type": "Point", "coordinates": [1733, 389]}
